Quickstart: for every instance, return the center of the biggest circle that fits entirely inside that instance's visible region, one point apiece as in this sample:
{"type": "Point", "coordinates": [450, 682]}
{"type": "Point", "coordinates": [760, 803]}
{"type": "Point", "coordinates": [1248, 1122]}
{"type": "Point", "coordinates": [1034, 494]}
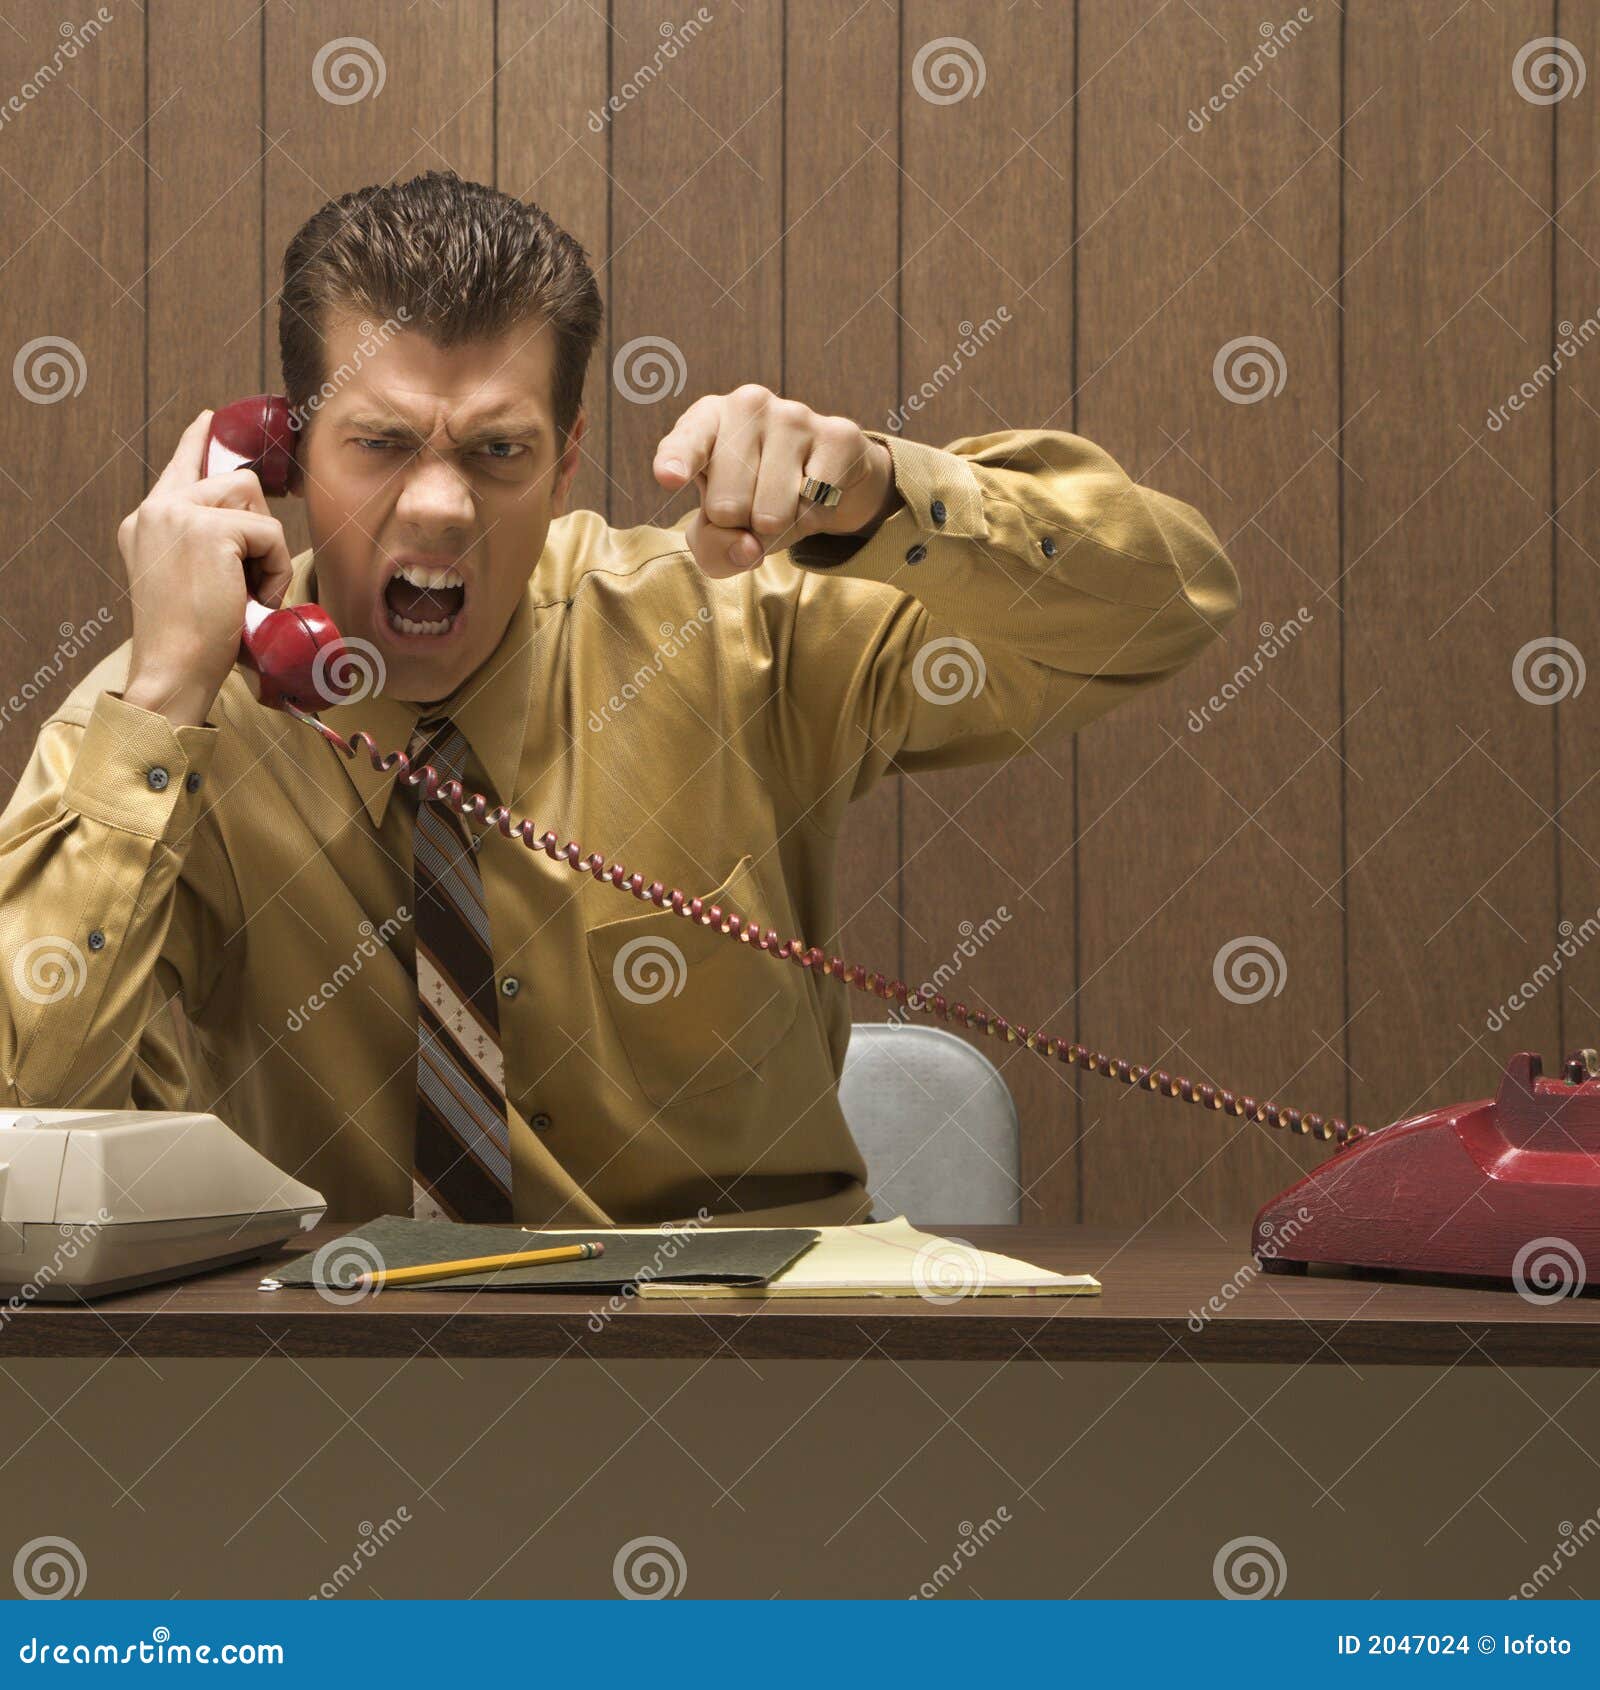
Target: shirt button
{"type": "Point", "coordinates": [916, 554]}
{"type": "Point", "coordinates": [157, 779]}
{"type": "Point", "coordinates": [1047, 546]}
{"type": "Point", "coordinates": [510, 986]}
{"type": "Point", "coordinates": [540, 1122]}
{"type": "Point", "coordinates": [192, 783]}
{"type": "Point", "coordinates": [97, 939]}
{"type": "Point", "coordinates": [936, 510]}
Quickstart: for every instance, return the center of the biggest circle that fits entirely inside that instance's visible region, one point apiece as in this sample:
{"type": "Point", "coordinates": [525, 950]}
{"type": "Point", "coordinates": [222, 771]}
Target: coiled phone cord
{"type": "Point", "coordinates": [877, 985]}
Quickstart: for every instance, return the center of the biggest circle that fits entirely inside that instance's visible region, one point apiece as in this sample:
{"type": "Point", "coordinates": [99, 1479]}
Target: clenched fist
{"type": "Point", "coordinates": [748, 452]}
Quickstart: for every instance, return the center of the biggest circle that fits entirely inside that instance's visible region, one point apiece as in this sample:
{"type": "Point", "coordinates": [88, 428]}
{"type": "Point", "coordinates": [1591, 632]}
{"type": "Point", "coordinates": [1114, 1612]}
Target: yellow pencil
{"type": "Point", "coordinates": [479, 1264]}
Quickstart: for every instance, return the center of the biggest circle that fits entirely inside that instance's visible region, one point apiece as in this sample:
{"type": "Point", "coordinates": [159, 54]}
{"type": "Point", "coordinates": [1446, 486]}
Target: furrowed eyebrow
{"type": "Point", "coordinates": [510, 428]}
{"type": "Point", "coordinates": [395, 428]}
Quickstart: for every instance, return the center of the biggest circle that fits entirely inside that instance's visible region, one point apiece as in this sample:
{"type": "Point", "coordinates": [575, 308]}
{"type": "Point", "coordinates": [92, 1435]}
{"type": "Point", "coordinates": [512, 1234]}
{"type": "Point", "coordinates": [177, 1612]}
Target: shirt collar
{"type": "Point", "coordinates": [490, 707]}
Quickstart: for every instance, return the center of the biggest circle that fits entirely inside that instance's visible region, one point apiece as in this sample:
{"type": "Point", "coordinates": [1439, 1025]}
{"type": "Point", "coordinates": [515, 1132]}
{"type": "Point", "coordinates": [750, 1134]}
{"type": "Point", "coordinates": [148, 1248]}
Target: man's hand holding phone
{"type": "Point", "coordinates": [185, 550]}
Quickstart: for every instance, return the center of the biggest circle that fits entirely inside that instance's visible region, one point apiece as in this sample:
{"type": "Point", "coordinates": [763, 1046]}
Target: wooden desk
{"type": "Point", "coordinates": [206, 1439]}
{"type": "Point", "coordinates": [1156, 1286]}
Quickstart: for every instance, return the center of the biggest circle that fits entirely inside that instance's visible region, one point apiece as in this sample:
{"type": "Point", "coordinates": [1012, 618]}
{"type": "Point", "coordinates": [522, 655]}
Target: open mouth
{"type": "Point", "coordinates": [423, 603]}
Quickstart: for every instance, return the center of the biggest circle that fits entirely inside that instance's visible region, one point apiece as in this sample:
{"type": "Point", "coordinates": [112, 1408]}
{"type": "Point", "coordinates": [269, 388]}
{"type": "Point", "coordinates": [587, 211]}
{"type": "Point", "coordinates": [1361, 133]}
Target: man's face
{"type": "Point", "coordinates": [430, 480]}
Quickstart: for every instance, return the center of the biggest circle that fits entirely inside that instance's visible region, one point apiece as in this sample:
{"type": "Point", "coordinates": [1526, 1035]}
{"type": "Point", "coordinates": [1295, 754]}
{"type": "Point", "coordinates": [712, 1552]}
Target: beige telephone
{"type": "Point", "coordinates": [99, 1200]}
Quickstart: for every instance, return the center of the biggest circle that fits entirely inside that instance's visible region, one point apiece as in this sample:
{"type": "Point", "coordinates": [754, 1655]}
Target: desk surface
{"type": "Point", "coordinates": [1157, 1286]}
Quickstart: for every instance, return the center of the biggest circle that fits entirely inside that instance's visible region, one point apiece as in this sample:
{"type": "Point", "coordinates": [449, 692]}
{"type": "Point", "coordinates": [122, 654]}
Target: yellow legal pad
{"type": "Point", "coordinates": [893, 1259]}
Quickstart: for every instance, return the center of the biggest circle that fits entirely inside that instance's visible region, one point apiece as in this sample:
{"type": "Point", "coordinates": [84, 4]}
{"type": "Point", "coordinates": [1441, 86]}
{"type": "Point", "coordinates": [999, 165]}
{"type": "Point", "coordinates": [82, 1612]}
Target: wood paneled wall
{"type": "Point", "coordinates": [1393, 210]}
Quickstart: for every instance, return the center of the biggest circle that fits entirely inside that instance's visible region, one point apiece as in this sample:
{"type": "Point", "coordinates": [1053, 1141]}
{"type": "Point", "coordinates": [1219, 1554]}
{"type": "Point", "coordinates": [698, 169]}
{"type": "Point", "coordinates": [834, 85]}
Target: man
{"type": "Point", "coordinates": [415, 1024]}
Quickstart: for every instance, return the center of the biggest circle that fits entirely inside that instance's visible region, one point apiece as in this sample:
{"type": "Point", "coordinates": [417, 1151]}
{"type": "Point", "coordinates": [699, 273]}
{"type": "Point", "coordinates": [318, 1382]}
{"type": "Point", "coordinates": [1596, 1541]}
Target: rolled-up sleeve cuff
{"type": "Point", "coordinates": [138, 772]}
{"type": "Point", "coordinates": [941, 499]}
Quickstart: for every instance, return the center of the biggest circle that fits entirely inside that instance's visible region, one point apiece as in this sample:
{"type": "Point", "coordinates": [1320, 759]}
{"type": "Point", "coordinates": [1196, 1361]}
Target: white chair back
{"type": "Point", "coordinates": [936, 1124]}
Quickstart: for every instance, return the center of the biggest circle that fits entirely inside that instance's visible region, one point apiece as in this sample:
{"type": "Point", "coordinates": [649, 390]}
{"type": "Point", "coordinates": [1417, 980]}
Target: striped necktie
{"type": "Point", "coordinates": [462, 1157]}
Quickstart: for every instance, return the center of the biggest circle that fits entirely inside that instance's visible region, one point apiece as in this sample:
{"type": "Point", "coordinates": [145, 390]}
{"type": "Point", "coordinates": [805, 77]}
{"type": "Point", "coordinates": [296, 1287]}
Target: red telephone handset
{"type": "Point", "coordinates": [296, 650]}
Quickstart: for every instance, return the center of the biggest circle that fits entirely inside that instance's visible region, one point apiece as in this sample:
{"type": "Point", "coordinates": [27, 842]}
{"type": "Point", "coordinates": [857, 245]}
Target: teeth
{"type": "Point", "coordinates": [420, 578]}
{"type": "Point", "coordinates": [407, 626]}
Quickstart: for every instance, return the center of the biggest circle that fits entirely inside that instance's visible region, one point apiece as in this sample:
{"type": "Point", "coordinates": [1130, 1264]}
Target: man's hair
{"type": "Point", "coordinates": [453, 259]}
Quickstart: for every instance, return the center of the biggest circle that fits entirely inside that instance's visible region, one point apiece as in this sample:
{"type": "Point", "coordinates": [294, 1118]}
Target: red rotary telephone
{"type": "Point", "coordinates": [1504, 1188]}
{"type": "Point", "coordinates": [1484, 1189]}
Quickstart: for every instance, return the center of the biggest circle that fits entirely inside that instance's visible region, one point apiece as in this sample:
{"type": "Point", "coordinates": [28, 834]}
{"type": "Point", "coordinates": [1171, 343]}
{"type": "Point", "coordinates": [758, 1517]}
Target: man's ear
{"type": "Point", "coordinates": [570, 459]}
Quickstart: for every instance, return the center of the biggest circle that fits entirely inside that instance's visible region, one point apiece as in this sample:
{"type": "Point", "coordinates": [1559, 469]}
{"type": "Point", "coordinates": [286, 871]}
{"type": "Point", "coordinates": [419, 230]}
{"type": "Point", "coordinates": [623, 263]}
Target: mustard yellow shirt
{"type": "Point", "coordinates": [218, 916]}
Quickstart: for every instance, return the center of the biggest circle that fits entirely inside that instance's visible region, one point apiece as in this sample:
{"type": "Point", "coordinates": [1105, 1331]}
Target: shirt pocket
{"type": "Point", "coordinates": [694, 1008]}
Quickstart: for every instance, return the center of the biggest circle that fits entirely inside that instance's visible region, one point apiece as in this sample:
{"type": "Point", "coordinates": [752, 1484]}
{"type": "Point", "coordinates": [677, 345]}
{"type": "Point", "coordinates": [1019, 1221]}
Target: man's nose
{"type": "Point", "coordinates": [435, 495]}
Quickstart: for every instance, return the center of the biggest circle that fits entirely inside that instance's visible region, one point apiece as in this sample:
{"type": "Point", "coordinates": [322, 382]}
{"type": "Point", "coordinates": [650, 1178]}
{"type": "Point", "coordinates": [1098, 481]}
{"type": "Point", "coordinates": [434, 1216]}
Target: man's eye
{"type": "Point", "coordinates": [501, 451]}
